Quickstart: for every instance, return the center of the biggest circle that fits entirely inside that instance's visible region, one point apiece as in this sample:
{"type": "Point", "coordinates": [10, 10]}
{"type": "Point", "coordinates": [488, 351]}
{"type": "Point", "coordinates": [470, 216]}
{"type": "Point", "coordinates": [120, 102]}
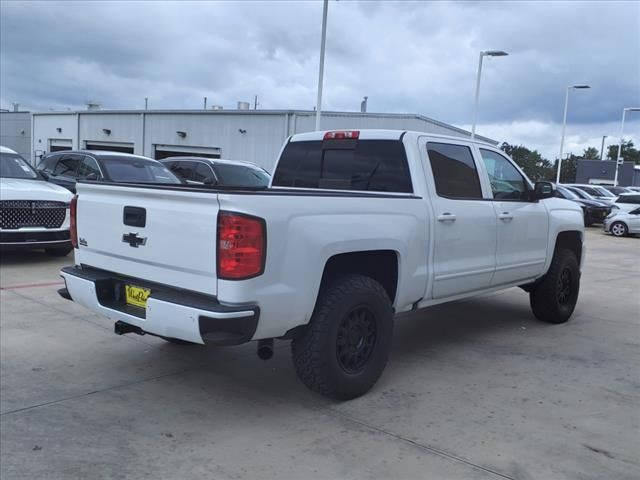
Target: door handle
{"type": "Point", "coordinates": [505, 216]}
{"type": "Point", "coordinates": [447, 217]}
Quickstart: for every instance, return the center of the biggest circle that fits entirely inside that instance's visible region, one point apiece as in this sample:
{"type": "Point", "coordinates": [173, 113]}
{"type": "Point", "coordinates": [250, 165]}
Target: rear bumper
{"type": "Point", "coordinates": [170, 312]}
{"type": "Point", "coordinates": [34, 239]}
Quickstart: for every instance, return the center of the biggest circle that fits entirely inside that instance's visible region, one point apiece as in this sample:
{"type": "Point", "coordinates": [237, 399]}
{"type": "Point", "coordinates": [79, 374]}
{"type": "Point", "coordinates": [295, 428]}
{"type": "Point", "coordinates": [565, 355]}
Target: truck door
{"type": "Point", "coordinates": [465, 221]}
{"type": "Point", "coordinates": [523, 225]}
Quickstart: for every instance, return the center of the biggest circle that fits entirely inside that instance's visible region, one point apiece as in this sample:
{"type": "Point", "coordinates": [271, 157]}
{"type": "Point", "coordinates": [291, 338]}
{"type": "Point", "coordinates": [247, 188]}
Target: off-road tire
{"type": "Point", "coordinates": [554, 298]}
{"type": "Point", "coordinates": [621, 229]}
{"type": "Point", "coordinates": [319, 352]}
{"type": "Point", "coordinates": [58, 251]}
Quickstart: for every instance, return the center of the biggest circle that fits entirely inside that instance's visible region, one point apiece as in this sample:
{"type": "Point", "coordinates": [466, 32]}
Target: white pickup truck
{"type": "Point", "coordinates": [355, 228]}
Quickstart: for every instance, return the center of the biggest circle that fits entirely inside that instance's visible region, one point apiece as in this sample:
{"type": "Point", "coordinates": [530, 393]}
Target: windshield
{"type": "Point", "coordinates": [137, 170]}
{"type": "Point", "coordinates": [240, 175]}
{"type": "Point", "coordinates": [581, 194]}
{"type": "Point", "coordinates": [604, 192]}
{"type": "Point", "coordinates": [13, 165]}
{"type": "Point", "coordinates": [568, 194]}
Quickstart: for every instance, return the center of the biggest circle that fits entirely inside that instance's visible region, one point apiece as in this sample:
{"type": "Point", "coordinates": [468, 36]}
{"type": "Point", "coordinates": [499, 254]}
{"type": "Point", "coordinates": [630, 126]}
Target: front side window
{"type": "Point", "coordinates": [506, 181]}
{"type": "Point", "coordinates": [13, 165]}
{"type": "Point", "coordinates": [628, 199]}
{"type": "Point", "coordinates": [367, 165]}
{"type": "Point", "coordinates": [454, 171]}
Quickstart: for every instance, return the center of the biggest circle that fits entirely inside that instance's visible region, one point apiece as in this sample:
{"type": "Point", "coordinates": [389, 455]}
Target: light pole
{"type": "Point", "coordinates": [564, 124]}
{"type": "Point", "coordinates": [486, 53]}
{"type": "Point", "coordinates": [323, 41]}
{"type": "Point", "coordinates": [602, 147]}
{"type": "Point", "coordinates": [619, 156]}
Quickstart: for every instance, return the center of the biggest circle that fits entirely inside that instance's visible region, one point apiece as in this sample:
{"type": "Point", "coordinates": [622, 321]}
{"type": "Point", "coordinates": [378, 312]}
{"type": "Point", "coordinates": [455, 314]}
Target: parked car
{"type": "Point", "coordinates": [621, 222]}
{"type": "Point", "coordinates": [617, 190]}
{"type": "Point", "coordinates": [594, 211]}
{"type": "Point", "coordinates": [595, 191]}
{"type": "Point", "coordinates": [34, 214]}
{"type": "Point", "coordinates": [633, 189]}
{"type": "Point", "coordinates": [222, 173]}
{"type": "Point", "coordinates": [356, 227]}
{"type": "Point", "coordinates": [67, 167]}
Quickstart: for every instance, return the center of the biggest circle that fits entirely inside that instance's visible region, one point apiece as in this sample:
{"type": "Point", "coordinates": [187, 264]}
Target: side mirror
{"type": "Point", "coordinates": [543, 190]}
{"type": "Point", "coordinates": [210, 181]}
{"type": "Point", "coordinates": [43, 174]}
{"type": "Point", "coordinates": [91, 176]}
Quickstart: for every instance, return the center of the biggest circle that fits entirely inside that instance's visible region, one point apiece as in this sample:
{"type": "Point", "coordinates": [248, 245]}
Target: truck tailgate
{"type": "Point", "coordinates": [176, 246]}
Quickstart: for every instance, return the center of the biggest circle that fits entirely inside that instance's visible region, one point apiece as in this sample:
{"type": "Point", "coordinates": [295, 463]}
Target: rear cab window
{"type": "Point", "coordinates": [345, 164]}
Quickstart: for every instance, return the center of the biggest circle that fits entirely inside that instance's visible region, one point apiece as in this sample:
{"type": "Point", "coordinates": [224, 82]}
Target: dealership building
{"type": "Point", "coordinates": [251, 135]}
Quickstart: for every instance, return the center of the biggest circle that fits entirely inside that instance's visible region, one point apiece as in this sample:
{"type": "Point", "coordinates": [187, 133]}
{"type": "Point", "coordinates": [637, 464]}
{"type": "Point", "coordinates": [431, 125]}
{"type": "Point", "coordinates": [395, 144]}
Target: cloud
{"type": "Point", "coordinates": [417, 57]}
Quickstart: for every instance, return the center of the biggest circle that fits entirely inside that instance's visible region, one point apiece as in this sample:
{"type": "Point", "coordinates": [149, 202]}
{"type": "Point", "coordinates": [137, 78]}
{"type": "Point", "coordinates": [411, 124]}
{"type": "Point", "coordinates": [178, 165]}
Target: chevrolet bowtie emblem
{"type": "Point", "coordinates": [134, 240]}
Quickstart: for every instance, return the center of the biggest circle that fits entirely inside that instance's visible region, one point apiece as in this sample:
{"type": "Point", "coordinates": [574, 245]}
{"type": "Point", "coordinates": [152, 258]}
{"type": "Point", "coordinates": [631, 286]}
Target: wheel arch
{"type": "Point", "coordinates": [380, 265]}
{"type": "Point", "coordinates": [570, 240]}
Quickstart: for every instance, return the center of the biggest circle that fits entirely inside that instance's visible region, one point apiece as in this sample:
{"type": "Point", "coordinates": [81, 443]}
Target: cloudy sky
{"type": "Point", "coordinates": [414, 57]}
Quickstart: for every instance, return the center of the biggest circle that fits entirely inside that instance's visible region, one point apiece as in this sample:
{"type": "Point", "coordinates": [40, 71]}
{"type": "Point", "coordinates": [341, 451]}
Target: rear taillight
{"type": "Point", "coordinates": [73, 226]}
{"type": "Point", "coordinates": [342, 135]}
{"type": "Point", "coordinates": [242, 242]}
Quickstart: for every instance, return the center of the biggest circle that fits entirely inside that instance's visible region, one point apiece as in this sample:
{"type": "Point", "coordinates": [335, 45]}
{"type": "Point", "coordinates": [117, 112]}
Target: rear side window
{"type": "Point", "coordinates": [123, 169]}
{"type": "Point", "coordinates": [68, 165]}
{"type": "Point", "coordinates": [89, 167]}
{"type": "Point", "coordinates": [367, 165]}
{"type": "Point", "coordinates": [454, 171]}
{"type": "Point", "coordinates": [183, 170]}
{"type": "Point", "coordinates": [241, 176]}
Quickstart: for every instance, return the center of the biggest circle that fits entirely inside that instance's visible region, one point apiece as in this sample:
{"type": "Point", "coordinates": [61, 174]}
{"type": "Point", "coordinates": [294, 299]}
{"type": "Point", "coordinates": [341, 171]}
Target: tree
{"type": "Point", "coordinates": [591, 153]}
{"type": "Point", "coordinates": [629, 152]}
{"type": "Point", "coordinates": [568, 170]}
{"type": "Point", "coordinates": [534, 165]}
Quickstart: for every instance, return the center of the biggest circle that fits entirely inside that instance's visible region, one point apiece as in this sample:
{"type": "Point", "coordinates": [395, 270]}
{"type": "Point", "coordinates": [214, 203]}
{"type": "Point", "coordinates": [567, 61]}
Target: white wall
{"type": "Point", "coordinates": [260, 143]}
{"type": "Point", "coordinates": [125, 128]}
{"type": "Point", "coordinates": [15, 132]}
{"type": "Point", "coordinates": [45, 128]}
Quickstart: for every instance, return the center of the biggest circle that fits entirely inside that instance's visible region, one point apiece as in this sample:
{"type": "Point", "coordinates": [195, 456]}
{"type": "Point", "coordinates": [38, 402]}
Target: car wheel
{"type": "Point", "coordinates": [58, 251]}
{"type": "Point", "coordinates": [554, 298]}
{"type": "Point", "coordinates": [618, 229]}
{"type": "Point", "coordinates": [345, 347]}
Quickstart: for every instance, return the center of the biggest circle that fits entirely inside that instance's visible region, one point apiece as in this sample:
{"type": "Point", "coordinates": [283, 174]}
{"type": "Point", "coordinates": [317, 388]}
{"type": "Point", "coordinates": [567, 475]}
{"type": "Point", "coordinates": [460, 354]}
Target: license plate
{"type": "Point", "coordinates": [137, 296]}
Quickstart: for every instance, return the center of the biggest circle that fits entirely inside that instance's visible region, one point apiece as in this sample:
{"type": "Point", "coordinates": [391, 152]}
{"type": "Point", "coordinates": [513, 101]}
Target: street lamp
{"type": "Point", "coordinates": [323, 41]}
{"type": "Point", "coordinates": [564, 124]}
{"type": "Point", "coordinates": [486, 53]}
{"type": "Point", "coordinates": [619, 159]}
{"type": "Point", "coordinates": [602, 147]}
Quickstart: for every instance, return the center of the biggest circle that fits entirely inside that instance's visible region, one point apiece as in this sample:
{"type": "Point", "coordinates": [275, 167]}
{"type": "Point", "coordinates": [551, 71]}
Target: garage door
{"type": "Point", "coordinates": [59, 144]}
{"type": "Point", "coordinates": [110, 146]}
{"type": "Point", "coordinates": [166, 151]}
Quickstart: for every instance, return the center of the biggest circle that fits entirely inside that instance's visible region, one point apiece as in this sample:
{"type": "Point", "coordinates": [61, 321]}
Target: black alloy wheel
{"type": "Point", "coordinates": [356, 339]}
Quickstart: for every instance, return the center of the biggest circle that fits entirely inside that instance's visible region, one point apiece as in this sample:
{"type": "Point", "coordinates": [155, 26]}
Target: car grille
{"type": "Point", "coordinates": [16, 214]}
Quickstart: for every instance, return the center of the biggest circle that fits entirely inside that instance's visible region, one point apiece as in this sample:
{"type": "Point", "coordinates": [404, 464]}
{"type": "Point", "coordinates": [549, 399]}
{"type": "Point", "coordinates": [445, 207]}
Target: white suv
{"type": "Point", "coordinates": [33, 213]}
